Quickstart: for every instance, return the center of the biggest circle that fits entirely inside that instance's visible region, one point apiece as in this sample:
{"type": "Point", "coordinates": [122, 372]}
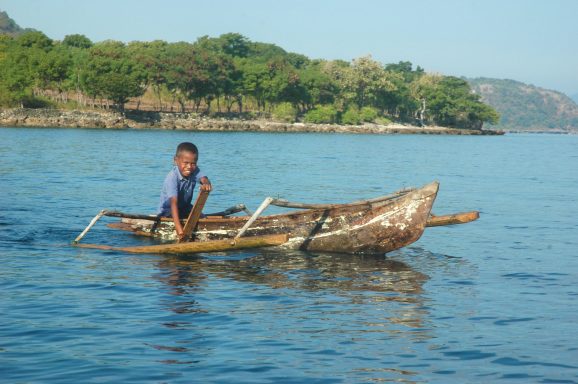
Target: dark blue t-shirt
{"type": "Point", "coordinates": [182, 187]}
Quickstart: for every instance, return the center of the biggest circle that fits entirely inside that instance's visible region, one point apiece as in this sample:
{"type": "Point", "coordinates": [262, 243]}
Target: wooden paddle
{"type": "Point", "coordinates": [194, 216]}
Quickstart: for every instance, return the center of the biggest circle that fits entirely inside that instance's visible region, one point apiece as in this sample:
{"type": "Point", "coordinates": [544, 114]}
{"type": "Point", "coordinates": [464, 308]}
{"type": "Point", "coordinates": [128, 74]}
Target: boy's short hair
{"type": "Point", "coordinates": [186, 147]}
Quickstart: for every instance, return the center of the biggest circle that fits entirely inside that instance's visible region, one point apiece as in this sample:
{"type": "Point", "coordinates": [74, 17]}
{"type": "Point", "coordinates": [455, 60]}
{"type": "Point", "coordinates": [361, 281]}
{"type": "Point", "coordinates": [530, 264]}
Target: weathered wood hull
{"type": "Point", "coordinates": [375, 226]}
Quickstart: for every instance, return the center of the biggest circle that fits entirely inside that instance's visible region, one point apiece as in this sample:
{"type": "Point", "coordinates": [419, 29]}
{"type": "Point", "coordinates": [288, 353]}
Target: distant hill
{"type": "Point", "coordinates": [525, 107]}
{"type": "Point", "coordinates": [9, 26]}
{"type": "Point", "coordinates": [574, 97]}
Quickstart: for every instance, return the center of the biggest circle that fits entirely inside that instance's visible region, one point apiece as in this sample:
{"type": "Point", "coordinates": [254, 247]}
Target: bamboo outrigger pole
{"type": "Point", "coordinates": [252, 219]}
{"type": "Point", "coordinates": [455, 218]}
{"type": "Point", "coordinates": [90, 225]}
{"type": "Point", "coordinates": [198, 247]}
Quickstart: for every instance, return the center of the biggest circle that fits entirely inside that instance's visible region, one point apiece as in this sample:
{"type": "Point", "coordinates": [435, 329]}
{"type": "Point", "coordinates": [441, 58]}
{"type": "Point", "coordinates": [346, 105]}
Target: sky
{"type": "Point", "coordinates": [533, 41]}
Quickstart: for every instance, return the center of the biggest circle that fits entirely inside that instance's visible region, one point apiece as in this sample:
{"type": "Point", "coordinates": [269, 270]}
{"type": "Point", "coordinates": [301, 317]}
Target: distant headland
{"type": "Point", "coordinates": [222, 77]}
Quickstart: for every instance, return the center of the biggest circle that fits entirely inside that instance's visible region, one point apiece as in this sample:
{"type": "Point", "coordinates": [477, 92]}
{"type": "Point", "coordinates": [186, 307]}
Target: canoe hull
{"type": "Point", "coordinates": [374, 226]}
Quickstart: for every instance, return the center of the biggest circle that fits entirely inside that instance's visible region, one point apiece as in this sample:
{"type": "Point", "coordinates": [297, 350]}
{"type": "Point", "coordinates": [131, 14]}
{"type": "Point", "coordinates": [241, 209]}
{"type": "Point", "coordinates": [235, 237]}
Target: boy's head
{"type": "Point", "coordinates": [186, 158]}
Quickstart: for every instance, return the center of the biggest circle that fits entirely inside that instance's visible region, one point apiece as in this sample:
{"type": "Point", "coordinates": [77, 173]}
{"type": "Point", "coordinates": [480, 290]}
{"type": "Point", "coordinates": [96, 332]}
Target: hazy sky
{"type": "Point", "coordinates": [534, 41]}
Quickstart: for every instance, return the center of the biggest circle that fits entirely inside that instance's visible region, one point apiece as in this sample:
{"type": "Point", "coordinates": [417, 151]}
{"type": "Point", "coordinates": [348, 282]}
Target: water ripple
{"type": "Point", "coordinates": [490, 301]}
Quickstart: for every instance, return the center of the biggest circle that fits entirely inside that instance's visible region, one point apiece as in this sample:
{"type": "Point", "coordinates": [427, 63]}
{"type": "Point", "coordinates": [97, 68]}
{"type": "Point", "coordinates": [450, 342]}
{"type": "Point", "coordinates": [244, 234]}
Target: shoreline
{"type": "Point", "coordinates": [55, 118]}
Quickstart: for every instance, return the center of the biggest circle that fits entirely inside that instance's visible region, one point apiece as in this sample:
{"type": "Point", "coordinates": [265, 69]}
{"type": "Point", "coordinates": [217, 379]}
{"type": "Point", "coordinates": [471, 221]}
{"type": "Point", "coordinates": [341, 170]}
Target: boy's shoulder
{"type": "Point", "coordinates": [174, 170]}
{"type": "Point", "coordinates": [172, 175]}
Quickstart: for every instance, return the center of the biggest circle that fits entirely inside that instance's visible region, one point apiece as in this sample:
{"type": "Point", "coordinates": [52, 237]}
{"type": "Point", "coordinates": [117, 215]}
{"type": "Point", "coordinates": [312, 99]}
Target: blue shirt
{"type": "Point", "coordinates": [181, 187]}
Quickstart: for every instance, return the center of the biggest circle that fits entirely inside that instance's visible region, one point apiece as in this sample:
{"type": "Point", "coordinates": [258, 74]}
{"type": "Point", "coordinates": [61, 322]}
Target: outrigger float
{"type": "Point", "coordinates": [378, 225]}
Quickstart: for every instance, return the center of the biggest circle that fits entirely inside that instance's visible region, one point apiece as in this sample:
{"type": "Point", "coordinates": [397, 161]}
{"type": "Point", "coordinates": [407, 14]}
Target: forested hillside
{"type": "Point", "coordinates": [9, 26]}
{"type": "Point", "coordinates": [527, 107]}
{"type": "Point", "coordinates": [228, 74]}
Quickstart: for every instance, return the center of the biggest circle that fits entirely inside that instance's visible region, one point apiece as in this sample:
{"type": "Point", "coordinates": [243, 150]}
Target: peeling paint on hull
{"type": "Point", "coordinates": [376, 226]}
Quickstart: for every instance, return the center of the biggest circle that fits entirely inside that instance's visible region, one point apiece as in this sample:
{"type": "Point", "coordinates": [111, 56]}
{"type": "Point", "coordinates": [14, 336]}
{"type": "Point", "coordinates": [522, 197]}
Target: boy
{"type": "Point", "coordinates": [179, 185]}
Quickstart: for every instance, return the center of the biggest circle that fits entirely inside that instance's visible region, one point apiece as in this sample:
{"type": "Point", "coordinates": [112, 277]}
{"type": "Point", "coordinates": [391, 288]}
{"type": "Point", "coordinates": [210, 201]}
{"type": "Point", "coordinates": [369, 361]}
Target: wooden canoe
{"type": "Point", "coordinates": [378, 225]}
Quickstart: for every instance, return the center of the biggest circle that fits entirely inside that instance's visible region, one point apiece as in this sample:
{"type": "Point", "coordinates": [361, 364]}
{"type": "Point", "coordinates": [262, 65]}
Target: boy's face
{"type": "Point", "coordinates": [186, 162]}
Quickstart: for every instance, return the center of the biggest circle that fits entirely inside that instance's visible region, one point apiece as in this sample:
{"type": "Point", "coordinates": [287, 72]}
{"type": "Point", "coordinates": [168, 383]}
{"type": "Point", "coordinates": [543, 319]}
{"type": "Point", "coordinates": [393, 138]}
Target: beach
{"type": "Point", "coordinates": [53, 118]}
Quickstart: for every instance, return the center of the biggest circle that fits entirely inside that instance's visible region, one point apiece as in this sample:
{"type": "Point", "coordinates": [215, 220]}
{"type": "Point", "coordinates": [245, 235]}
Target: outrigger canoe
{"type": "Point", "coordinates": [378, 225]}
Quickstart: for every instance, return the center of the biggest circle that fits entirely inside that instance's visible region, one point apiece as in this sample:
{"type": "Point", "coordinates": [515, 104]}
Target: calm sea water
{"type": "Point", "coordinates": [490, 301]}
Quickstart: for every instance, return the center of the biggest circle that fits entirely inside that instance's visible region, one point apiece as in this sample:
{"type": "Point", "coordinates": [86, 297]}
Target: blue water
{"type": "Point", "coordinates": [490, 301]}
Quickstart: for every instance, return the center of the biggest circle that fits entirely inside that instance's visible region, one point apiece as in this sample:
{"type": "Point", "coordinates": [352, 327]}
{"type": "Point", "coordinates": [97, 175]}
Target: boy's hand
{"type": "Point", "coordinates": [206, 187]}
{"type": "Point", "coordinates": [205, 184]}
{"type": "Point", "coordinates": [176, 218]}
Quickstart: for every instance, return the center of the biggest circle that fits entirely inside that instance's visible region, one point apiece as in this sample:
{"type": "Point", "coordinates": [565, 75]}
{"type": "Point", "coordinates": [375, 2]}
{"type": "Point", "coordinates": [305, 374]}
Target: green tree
{"type": "Point", "coordinates": [234, 45]}
{"type": "Point", "coordinates": [400, 103]}
{"type": "Point", "coordinates": [112, 74]}
{"type": "Point", "coordinates": [324, 114]}
{"type": "Point", "coordinates": [207, 79]}
{"type": "Point", "coordinates": [449, 101]}
{"type": "Point", "coordinates": [152, 58]}
{"type": "Point", "coordinates": [15, 78]}
{"type": "Point", "coordinates": [368, 114]}
{"type": "Point", "coordinates": [54, 70]}
{"type": "Point", "coordinates": [79, 59]}
{"type": "Point", "coordinates": [232, 86]}
{"type": "Point", "coordinates": [35, 39]}
{"type": "Point", "coordinates": [364, 81]}
{"type": "Point", "coordinates": [180, 68]}
{"type": "Point", "coordinates": [263, 52]}
{"type": "Point", "coordinates": [286, 86]}
{"type": "Point", "coordinates": [77, 41]}
{"type": "Point", "coordinates": [351, 116]}
{"type": "Point", "coordinates": [285, 112]}
{"type": "Point", "coordinates": [256, 82]}
{"type": "Point", "coordinates": [422, 90]}
{"type": "Point", "coordinates": [196, 72]}
{"type": "Point", "coordinates": [319, 86]}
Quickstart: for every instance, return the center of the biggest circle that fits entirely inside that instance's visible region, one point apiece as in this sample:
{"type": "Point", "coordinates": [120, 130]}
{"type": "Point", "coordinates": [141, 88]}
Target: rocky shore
{"type": "Point", "coordinates": [194, 122]}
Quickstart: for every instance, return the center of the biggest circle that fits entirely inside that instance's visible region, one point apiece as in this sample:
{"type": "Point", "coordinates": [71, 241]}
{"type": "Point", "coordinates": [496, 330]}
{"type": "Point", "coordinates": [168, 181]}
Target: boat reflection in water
{"type": "Point", "coordinates": [387, 288]}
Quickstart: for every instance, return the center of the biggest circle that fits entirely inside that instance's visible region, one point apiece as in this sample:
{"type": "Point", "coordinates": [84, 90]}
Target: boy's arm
{"type": "Point", "coordinates": [206, 184]}
{"type": "Point", "coordinates": [176, 218]}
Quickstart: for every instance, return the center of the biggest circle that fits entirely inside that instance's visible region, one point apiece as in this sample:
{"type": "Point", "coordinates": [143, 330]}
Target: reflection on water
{"type": "Point", "coordinates": [318, 304]}
{"type": "Point", "coordinates": [300, 270]}
{"type": "Point", "coordinates": [353, 279]}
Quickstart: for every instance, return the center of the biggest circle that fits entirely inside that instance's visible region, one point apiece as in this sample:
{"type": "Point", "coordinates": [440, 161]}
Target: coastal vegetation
{"type": "Point", "coordinates": [229, 75]}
